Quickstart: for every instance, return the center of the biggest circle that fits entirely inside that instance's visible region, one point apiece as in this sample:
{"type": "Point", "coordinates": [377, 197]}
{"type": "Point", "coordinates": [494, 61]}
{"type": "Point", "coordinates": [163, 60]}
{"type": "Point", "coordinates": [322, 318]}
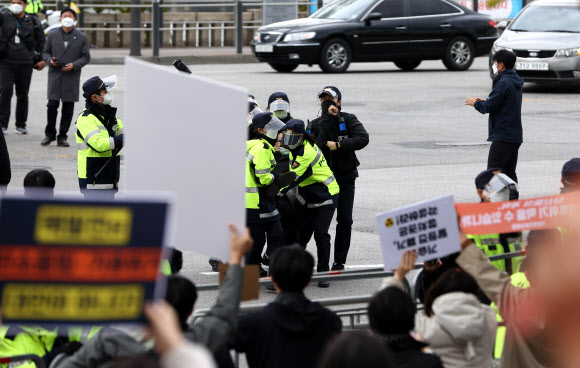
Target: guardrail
{"type": "Point", "coordinates": [155, 25]}
{"type": "Point", "coordinates": [21, 359]}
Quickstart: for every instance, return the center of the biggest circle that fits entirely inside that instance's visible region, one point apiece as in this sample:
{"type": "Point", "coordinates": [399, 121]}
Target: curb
{"type": "Point", "coordinates": [189, 60]}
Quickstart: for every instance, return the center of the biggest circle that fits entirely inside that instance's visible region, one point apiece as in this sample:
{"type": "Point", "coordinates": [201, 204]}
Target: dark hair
{"type": "Point", "coordinates": [543, 237]}
{"type": "Point", "coordinates": [452, 280]}
{"type": "Point", "coordinates": [309, 138]}
{"type": "Point", "coordinates": [356, 349]}
{"type": "Point", "coordinates": [138, 361]}
{"type": "Point", "coordinates": [508, 58]}
{"type": "Point", "coordinates": [68, 10]}
{"type": "Point", "coordinates": [181, 294]}
{"type": "Point", "coordinates": [39, 178]}
{"type": "Point", "coordinates": [392, 312]}
{"type": "Point", "coordinates": [291, 267]}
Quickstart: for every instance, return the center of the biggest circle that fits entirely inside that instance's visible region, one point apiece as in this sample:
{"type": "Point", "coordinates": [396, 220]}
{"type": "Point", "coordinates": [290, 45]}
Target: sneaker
{"type": "Point", "coordinates": [62, 142]}
{"type": "Point", "coordinates": [323, 284]}
{"type": "Point", "coordinates": [46, 141]}
{"type": "Point", "coordinates": [263, 272]}
{"type": "Point", "coordinates": [337, 267]}
{"type": "Point", "coordinates": [266, 260]}
{"type": "Point", "coordinates": [21, 130]}
{"type": "Point", "coordinates": [214, 264]}
{"type": "Point", "coordinates": [3, 130]}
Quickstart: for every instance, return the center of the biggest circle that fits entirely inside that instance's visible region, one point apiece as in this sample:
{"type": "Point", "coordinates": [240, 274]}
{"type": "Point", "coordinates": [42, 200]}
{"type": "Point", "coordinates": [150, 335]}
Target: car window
{"type": "Point", "coordinates": [448, 8]}
{"type": "Point", "coordinates": [343, 9]}
{"type": "Point", "coordinates": [390, 8]}
{"type": "Point", "coordinates": [548, 19]}
{"type": "Point", "coordinates": [425, 7]}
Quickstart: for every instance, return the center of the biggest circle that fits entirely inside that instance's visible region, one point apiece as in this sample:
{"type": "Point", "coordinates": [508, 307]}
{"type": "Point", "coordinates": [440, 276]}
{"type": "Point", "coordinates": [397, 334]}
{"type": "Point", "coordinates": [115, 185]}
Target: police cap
{"type": "Point", "coordinates": [484, 177]}
{"type": "Point", "coordinates": [93, 86]}
{"type": "Point", "coordinates": [277, 96]}
{"type": "Point", "coordinates": [571, 171]}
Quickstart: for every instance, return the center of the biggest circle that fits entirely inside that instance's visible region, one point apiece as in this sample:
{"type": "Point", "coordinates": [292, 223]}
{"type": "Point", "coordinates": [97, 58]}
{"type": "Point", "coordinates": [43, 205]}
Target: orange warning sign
{"type": "Point", "coordinates": [72, 264]}
{"type": "Point", "coordinates": [514, 216]}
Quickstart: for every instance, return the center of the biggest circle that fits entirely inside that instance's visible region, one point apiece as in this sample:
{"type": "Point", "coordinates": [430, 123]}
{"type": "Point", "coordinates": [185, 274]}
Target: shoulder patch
{"type": "Point", "coordinates": [295, 164]}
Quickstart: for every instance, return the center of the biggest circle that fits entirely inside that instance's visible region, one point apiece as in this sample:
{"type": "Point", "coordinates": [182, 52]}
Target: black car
{"type": "Point", "coordinates": [403, 31]}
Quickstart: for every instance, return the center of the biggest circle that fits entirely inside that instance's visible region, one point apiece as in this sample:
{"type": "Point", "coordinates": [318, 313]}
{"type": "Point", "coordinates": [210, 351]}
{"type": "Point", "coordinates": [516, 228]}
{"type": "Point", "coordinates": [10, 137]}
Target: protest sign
{"type": "Point", "coordinates": [80, 262]}
{"type": "Point", "coordinates": [188, 136]}
{"type": "Point", "coordinates": [514, 216]}
{"type": "Point", "coordinates": [428, 227]}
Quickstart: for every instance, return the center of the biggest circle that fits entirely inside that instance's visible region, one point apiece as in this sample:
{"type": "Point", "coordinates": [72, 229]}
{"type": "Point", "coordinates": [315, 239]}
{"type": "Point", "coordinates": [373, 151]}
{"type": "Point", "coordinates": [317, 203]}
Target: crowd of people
{"type": "Point", "coordinates": [466, 311]}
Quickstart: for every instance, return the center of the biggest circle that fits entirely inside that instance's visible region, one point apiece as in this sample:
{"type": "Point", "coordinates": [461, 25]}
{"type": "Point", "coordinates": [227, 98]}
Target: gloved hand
{"type": "Point", "coordinates": [326, 105]}
{"type": "Point", "coordinates": [283, 181]}
{"type": "Point", "coordinates": [118, 141]}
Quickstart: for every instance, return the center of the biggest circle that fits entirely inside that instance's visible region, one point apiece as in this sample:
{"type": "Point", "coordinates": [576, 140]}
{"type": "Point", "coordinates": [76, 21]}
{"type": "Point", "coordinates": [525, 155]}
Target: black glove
{"type": "Point", "coordinates": [118, 141]}
{"type": "Point", "coordinates": [283, 181]}
{"type": "Point", "coordinates": [325, 105]}
{"type": "Point", "coordinates": [71, 347]}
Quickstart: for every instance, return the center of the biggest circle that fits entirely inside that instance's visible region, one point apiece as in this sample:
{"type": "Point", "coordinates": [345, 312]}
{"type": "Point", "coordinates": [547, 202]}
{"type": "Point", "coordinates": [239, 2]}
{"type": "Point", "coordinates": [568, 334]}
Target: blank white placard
{"type": "Point", "coordinates": [187, 134]}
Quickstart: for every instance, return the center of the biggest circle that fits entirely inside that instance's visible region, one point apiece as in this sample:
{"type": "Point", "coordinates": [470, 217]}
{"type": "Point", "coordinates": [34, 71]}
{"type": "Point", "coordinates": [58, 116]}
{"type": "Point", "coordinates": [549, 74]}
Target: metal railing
{"type": "Point", "coordinates": [155, 26]}
{"type": "Point", "coordinates": [21, 359]}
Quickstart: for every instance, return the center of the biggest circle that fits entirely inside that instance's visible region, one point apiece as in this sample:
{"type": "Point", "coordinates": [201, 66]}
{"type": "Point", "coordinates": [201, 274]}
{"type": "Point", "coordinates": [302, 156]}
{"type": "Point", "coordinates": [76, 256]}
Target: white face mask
{"type": "Point", "coordinates": [68, 22]}
{"type": "Point", "coordinates": [16, 8]}
{"type": "Point", "coordinates": [108, 99]}
{"type": "Point", "coordinates": [494, 68]}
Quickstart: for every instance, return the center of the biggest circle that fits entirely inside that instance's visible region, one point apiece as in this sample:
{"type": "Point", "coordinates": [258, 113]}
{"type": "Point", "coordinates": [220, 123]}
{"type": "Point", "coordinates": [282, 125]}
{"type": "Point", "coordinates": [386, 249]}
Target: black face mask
{"type": "Point", "coordinates": [326, 105]}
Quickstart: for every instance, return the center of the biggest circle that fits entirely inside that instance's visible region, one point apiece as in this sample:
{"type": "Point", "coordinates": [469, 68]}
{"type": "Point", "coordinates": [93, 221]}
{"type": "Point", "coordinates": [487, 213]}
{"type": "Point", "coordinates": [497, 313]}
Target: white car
{"type": "Point", "coordinates": [545, 37]}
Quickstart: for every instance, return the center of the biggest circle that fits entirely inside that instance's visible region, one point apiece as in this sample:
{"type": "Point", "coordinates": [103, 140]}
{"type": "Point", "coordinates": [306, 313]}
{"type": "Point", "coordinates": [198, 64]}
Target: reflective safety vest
{"type": "Point", "coordinates": [33, 6]}
{"type": "Point", "coordinates": [260, 164]}
{"type": "Point", "coordinates": [82, 334]}
{"type": "Point", "coordinates": [95, 146]}
{"type": "Point", "coordinates": [518, 280]}
{"type": "Point", "coordinates": [317, 184]}
{"type": "Point", "coordinates": [19, 340]}
{"type": "Point", "coordinates": [491, 246]}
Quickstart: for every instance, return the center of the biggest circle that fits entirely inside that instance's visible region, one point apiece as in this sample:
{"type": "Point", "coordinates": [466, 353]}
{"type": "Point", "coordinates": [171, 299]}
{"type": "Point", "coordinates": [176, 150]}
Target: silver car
{"type": "Point", "coordinates": [545, 37]}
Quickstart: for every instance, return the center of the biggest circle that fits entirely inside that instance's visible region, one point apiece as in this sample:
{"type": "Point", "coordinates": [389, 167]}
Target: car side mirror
{"type": "Point", "coordinates": [503, 24]}
{"type": "Point", "coordinates": [371, 17]}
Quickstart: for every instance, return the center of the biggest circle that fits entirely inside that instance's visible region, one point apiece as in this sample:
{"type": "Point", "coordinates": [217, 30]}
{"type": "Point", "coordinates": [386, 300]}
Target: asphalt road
{"type": "Point", "coordinates": [423, 141]}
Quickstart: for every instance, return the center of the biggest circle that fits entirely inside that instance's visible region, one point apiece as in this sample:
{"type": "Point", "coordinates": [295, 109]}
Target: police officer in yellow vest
{"type": "Point", "coordinates": [99, 140]}
{"type": "Point", "coordinates": [35, 6]}
{"type": "Point", "coordinates": [262, 215]}
{"type": "Point", "coordinates": [317, 193]}
{"type": "Point", "coordinates": [494, 186]}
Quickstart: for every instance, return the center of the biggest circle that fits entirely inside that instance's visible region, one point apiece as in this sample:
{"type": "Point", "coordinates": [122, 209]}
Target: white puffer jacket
{"type": "Point", "coordinates": [461, 332]}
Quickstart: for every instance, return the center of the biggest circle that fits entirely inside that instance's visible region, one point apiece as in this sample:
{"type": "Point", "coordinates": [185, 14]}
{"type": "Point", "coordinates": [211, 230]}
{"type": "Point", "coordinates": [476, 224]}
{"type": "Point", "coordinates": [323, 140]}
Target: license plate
{"type": "Point", "coordinates": [532, 66]}
{"type": "Point", "coordinates": [264, 48]}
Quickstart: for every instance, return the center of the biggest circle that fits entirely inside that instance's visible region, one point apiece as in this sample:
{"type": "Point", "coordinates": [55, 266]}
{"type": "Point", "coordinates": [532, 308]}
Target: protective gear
{"type": "Point", "coordinates": [293, 136]}
{"type": "Point", "coordinates": [108, 99]}
{"type": "Point", "coordinates": [331, 91]}
{"type": "Point", "coordinates": [283, 181]}
{"type": "Point", "coordinates": [494, 69]}
{"type": "Point", "coordinates": [279, 105]}
{"type": "Point", "coordinates": [501, 188]}
{"type": "Point", "coordinates": [491, 245]}
{"type": "Point", "coordinates": [16, 8]}
{"type": "Point", "coordinates": [260, 165]}
{"type": "Point", "coordinates": [110, 82]}
{"type": "Point", "coordinates": [267, 121]}
{"type": "Point", "coordinates": [280, 114]}
{"type": "Point", "coordinates": [68, 22]}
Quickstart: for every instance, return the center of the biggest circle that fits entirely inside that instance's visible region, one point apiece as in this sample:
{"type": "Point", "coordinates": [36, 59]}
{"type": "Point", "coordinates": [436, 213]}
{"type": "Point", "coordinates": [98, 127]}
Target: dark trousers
{"type": "Point", "coordinates": [343, 220]}
{"type": "Point", "coordinates": [316, 221]}
{"type": "Point", "coordinates": [262, 232]}
{"type": "Point", "coordinates": [12, 75]}
{"type": "Point", "coordinates": [505, 157]}
{"type": "Point", "coordinates": [65, 118]}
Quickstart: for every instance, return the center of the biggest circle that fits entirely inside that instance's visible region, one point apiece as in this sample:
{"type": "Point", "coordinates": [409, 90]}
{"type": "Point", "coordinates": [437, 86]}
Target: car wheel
{"type": "Point", "coordinates": [335, 56]}
{"type": "Point", "coordinates": [283, 68]}
{"type": "Point", "coordinates": [459, 54]}
{"type": "Point", "coordinates": [407, 65]}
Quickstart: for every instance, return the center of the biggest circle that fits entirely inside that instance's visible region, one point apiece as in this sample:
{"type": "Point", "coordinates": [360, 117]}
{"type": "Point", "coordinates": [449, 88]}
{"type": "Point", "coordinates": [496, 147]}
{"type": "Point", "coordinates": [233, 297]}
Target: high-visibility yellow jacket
{"type": "Point", "coordinates": [317, 184]}
{"type": "Point", "coordinates": [95, 131]}
{"type": "Point", "coordinates": [260, 165]}
{"type": "Point", "coordinates": [491, 246]}
{"type": "Point", "coordinates": [34, 6]}
{"type": "Point", "coordinates": [20, 340]}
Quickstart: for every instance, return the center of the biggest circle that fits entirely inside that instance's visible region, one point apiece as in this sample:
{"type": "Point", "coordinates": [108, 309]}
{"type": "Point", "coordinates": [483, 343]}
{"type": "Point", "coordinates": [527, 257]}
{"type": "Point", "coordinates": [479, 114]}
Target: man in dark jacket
{"type": "Point", "coordinates": [67, 52]}
{"type": "Point", "coordinates": [339, 135]}
{"type": "Point", "coordinates": [504, 106]}
{"type": "Point", "coordinates": [21, 43]}
{"type": "Point", "coordinates": [292, 331]}
{"type": "Point", "coordinates": [5, 171]}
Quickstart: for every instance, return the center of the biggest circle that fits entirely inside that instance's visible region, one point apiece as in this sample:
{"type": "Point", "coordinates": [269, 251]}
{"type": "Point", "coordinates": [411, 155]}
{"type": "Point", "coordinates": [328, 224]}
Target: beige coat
{"type": "Point", "coordinates": [461, 332]}
{"type": "Point", "coordinates": [529, 351]}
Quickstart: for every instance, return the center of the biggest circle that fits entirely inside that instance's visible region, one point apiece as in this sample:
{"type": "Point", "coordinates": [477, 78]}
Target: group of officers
{"type": "Point", "coordinates": [298, 174]}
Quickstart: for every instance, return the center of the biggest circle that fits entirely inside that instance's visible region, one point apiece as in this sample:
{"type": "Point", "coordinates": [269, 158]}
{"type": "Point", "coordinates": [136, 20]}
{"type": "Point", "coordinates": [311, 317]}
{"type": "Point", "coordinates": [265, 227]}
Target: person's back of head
{"type": "Point", "coordinates": [39, 181]}
{"type": "Point", "coordinates": [356, 349]}
{"type": "Point", "coordinates": [181, 294]}
{"type": "Point", "coordinates": [508, 58]}
{"type": "Point", "coordinates": [451, 281]}
{"type": "Point", "coordinates": [291, 268]}
{"type": "Point", "coordinates": [540, 244]}
{"type": "Point", "coordinates": [391, 312]}
{"type": "Point", "coordinates": [571, 176]}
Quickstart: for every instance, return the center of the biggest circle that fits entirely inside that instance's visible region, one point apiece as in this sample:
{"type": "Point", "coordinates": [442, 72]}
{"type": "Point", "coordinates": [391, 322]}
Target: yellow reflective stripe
{"type": "Point", "coordinates": [318, 154]}
{"type": "Point", "coordinates": [252, 190]}
{"type": "Point", "coordinates": [100, 186]}
{"type": "Point", "coordinates": [329, 180]}
{"type": "Point", "coordinates": [270, 214]}
{"type": "Point", "coordinates": [260, 172]}
{"type": "Point", "coordinates": [91, 133]}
